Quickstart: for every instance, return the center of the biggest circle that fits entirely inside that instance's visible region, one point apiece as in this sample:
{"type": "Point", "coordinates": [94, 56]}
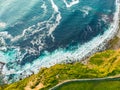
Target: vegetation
{"type": "Point", "coordinates": [102, 64]}
{"type": "Point", "coordinates": [91, 85]}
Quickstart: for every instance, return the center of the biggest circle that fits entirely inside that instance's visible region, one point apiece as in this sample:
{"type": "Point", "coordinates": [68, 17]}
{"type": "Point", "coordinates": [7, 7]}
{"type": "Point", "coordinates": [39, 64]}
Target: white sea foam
{"type": "Point", "coordinates": [58, 18]}
{"type": "Point", "coordinates": [2, 25]}
{"type": "Point", "coordinates": [105, 18]}
{"type": "Point", "coordinates": [5, 34]}
{"type": "Point", "coordinates": [86, 10]}
{"type": "Point", "coordinates": [73, 2]}
{"type": "Point", "coordinates": [44, 8]}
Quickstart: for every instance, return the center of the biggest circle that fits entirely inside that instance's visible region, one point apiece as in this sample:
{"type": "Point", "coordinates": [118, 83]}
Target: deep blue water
{"type": "Point", "coordinates": [32, 30]}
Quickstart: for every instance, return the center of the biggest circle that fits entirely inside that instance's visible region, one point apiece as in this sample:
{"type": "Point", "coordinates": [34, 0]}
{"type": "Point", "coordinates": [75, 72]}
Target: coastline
{"type": "Point", "coordinates": [113, 40]}
{"type": "Point", "coordinates": [97, 47]}
{"type": "Point", "coordinates": [114, 43]}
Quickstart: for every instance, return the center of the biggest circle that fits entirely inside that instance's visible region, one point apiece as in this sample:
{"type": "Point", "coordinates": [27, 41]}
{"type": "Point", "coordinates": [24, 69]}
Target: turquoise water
{"type": "Point", "coordinates": [39, 33]}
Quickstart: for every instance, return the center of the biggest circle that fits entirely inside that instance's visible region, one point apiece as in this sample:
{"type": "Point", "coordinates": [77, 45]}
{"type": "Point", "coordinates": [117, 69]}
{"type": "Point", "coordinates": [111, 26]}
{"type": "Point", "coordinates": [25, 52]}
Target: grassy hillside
{"type": "Point", "coordinates": [101, 64]}
{"type": "Point", "coordinates": [91, 85]}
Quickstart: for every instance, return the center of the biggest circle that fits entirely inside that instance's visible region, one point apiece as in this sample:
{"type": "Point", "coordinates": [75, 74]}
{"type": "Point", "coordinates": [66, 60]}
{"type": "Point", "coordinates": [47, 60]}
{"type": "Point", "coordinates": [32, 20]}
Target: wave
{"type": "Point", "coordinates": [86, 10]}
{"type": "Point", "coordinates": [69, 4]}
{"type": "Point", "coordinates": [2, 25]}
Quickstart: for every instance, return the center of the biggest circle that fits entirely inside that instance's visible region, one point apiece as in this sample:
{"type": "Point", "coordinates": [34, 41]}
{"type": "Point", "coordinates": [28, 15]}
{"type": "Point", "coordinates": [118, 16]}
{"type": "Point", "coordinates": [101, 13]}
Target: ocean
{"type": "Point", "coordinates": [41, 33]}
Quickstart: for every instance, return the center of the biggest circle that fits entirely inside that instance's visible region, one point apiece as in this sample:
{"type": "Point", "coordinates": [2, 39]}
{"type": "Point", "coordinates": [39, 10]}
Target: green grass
{"type": "Point", "coordinates": [99, 58]}
{"type": "Point", "coordinates": [91, 85]}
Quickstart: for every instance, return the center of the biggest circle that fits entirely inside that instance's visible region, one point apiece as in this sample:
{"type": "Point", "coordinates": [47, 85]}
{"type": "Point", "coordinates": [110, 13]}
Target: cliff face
{"type": "Point", "coordinates": [101, 64]}
{"type": "Point", "coordinates": [114, 43]}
